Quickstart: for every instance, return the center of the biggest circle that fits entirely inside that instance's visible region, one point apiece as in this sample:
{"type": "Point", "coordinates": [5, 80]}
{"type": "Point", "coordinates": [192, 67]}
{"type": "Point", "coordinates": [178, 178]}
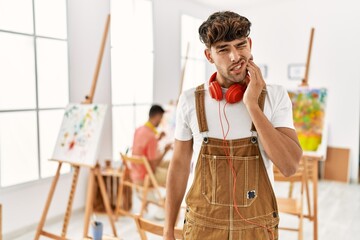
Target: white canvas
{"type": "Point", "coordinates": [80, 133]}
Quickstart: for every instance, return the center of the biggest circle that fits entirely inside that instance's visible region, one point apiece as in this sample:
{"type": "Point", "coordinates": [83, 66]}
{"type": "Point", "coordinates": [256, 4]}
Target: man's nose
{"type": "Point", "coordinates": [234, 55]}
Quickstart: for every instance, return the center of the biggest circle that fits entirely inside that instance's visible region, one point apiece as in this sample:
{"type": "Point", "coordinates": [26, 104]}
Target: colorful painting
{"type": "Point", "coordinates": [80, 134]}
{"type": "Point", "coordinates": [309, 106]}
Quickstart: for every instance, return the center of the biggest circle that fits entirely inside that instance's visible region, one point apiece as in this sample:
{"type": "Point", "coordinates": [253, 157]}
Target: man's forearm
{"type": "Point", "coordinates": [175, 189]}
{"type": "Point", "coordinates": [280, 145]}
{"type": "Point", "coordinates": [176, 182]}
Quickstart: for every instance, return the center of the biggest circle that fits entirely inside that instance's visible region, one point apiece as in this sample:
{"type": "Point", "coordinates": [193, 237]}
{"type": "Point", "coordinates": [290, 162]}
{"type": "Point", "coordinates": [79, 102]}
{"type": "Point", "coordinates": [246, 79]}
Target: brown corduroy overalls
{"type": "Point", "coordinates": [210, 212]}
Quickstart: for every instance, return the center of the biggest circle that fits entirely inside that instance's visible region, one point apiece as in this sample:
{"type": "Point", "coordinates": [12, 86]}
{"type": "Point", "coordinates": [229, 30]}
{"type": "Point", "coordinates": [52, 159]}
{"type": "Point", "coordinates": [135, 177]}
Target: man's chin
{"type": "Point", "coordinates": [241, 78]}
{"type": "Point", "coordinates": [240, 81]}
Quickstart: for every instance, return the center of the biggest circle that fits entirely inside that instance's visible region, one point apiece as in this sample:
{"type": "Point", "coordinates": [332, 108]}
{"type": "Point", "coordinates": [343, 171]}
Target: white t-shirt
{"type": "Point", "coordinates": [277, 108]}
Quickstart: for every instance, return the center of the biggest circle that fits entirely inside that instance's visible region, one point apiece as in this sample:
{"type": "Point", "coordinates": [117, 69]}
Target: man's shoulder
{"type": "Point", "coordinates": [140, 128]}
{"type": "Point", "coordinates": [275, 89]}
{"type": "Point", "coordinates": [276, 92]}
{"type": "Point", "coordinates": [143, 130]}
{"type": "Point", "coordinates": [189, 92]}
{"type": "Point", "coordinates": [187, 96]}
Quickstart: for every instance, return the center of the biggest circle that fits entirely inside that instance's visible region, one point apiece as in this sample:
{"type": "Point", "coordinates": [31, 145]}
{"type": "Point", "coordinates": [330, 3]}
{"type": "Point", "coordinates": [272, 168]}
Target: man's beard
{"type": "Point", "coordinates": [240, 78]}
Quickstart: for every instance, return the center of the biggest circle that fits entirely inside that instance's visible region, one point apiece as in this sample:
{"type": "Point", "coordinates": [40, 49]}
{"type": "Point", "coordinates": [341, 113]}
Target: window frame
{"type": "Point", "coordinates": [37, 109]}
{"type": "Point", "coordinates": [134, 104]}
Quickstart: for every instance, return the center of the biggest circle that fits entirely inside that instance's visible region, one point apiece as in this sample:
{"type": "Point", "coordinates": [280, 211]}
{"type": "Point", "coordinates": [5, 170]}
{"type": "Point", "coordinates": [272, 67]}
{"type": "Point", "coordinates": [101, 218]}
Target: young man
{"type": "Point", "coordinates": [145, 143]}
{"type": "Point", "coordinates": [229, 132]}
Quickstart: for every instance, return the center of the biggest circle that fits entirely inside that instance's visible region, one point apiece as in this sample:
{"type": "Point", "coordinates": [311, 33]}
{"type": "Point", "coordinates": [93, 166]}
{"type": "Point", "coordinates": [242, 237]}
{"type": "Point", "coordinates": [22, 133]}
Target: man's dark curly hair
{"type": "Point", "coordinates": [224, 26]}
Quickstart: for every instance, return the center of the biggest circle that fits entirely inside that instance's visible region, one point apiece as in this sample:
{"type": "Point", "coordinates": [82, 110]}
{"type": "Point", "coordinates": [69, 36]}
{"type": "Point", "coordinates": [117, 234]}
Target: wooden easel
{"type": "Point", "coordinates": [305, 81]}
{"type": "Point", "coordinates": [94, 172]}
{"type": "Point", "coordinates": [183, 70]}
{"type": "Point", "coordinates": [312, 160]}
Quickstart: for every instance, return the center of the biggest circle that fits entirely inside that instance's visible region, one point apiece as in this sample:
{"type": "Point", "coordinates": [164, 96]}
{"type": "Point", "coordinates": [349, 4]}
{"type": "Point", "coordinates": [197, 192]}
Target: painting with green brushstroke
{"type": "Point", "coordinates": [309, 106]}
{"type": "Point", "coordinates": [80, 134]}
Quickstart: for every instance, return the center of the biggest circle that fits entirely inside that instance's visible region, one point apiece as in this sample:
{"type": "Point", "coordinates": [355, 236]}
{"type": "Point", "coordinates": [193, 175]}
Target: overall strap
{"type": "Point", "coordinates": [261, 102]}
{"type": "Point", "coordinates": [200, 108]}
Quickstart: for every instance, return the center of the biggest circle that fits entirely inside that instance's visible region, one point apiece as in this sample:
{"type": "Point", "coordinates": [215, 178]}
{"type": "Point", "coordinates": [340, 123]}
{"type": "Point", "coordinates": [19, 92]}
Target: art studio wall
{"type": "Point", "coordinates": [280, 36]}
{"type": "Point", "coordinates": [167, 45]}
{"type": "Point", "coordinates": [23, 204]}
{"type": "Point", "coordinates": [281, 32]}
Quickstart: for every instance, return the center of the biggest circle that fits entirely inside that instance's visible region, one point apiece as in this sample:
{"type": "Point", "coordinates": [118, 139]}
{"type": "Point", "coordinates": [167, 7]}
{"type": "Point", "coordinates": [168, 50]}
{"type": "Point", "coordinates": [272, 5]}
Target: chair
{"type": "Point", "coordinates": [291, 205]}
{"type": "Point", "coordinates": [149, 184]}
{"type": "Point", "coordinates": [147, 226]}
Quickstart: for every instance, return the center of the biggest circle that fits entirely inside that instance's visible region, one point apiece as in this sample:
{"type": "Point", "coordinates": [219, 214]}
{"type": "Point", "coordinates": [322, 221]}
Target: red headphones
{"type": "Point", "coordinates": [234, 94]}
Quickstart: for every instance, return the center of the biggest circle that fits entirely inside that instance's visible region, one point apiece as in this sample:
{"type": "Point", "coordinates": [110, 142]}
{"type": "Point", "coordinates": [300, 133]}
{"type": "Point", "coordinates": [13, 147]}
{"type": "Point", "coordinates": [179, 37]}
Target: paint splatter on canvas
{"type": "Point", "coordinates": [80, 134]}
{"type": "Point", "coordinates": [309, 115]}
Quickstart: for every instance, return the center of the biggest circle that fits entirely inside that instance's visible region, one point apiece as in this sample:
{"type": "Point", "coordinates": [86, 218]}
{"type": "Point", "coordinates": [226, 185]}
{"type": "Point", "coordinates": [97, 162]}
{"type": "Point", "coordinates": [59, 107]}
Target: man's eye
{"type": "Point", "coordinates": [222, 50]}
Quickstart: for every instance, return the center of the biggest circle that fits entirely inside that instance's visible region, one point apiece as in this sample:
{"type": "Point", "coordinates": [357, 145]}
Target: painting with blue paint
{"type": "Point", "coordinates": [80, 134]}
{"type": "Point", "coordinates": [309, 105]}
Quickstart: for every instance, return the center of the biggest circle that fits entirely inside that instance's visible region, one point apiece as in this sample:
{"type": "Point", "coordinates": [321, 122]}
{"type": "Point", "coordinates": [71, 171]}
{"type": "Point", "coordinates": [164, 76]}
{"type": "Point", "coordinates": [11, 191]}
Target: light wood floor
{"type": "Point", "coordinates": [339, 217]}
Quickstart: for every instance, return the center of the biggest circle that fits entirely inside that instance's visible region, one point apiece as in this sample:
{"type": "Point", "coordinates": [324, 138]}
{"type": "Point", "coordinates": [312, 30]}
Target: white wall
{"type": "Point", "coordinates": [280, 36]}
{"type": "Point", "coordinates": [23, 205]}
{"type": "Point", "coordinates": [167, 44]}
{"type": "Point", "coordinates": [86, 25]}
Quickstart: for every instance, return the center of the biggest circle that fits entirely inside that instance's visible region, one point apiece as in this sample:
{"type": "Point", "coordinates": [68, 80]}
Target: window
{"type": "Point", "coordinates": [132, 57]}
{"type": "Point", "coordinates": [34, 87]}
{"type": "Point", "coordinates": [193, 49]}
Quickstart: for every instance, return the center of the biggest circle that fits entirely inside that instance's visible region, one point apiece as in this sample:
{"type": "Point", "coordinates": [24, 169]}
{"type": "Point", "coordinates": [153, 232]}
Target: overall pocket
{"type": "Point", "coordinates": [217, 179]}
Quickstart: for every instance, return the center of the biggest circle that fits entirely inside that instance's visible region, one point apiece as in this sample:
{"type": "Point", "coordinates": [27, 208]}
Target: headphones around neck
{"type": "Point", "coordinates": [234, 94]}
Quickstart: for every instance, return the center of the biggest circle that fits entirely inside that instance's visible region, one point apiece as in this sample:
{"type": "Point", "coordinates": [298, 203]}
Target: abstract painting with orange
{"type": "Point", "coordinates": [80, 134]}
{"type": "Point", "coordinates": [309, 106]}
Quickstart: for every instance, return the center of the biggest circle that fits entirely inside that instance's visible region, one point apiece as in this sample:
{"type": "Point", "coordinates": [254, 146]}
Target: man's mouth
{"type": "Point", "coordinates": [238, 66]}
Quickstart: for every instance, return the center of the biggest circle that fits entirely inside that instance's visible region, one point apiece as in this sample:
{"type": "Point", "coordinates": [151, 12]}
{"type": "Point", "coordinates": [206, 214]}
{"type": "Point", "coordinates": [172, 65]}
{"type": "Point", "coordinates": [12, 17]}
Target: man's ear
{"type": "Point", "coordinates": [250, 42]}
{"type": "Point", "coordinates": [208, 55]}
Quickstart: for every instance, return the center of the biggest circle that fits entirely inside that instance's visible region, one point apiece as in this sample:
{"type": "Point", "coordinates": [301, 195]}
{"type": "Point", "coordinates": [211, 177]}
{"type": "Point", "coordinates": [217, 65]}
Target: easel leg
{"type": "Point", "coordinates": [70, 202]}
{"type": "Point", "coordinates": [315, 192]}
{"type": "Point", "coordinates": [89, 202]}
{"type": "Point", "coordinates": [48, 201]}
{"type": "Point", "coordinates": [105, 199]}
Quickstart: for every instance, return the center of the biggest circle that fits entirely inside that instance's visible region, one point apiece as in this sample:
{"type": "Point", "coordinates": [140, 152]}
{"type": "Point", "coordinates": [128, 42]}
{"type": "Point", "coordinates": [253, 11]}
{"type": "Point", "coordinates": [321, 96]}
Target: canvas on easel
{"type": "Point", "coordinates": [77, 144]}
{"type": "Point", "coordinates": [80, 134]}
{"type": "Point", "coordinates": [309, 115]}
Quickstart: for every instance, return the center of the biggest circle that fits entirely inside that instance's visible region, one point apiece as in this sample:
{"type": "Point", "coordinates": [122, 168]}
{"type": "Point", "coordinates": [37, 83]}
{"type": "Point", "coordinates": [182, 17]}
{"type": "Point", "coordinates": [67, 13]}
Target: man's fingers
{"type": "Point", "coordinates": [255, 75]}
{"type": "Point", "coordinates": [251, 63]}
{"type": "Point", "coordinates": [252, 71]}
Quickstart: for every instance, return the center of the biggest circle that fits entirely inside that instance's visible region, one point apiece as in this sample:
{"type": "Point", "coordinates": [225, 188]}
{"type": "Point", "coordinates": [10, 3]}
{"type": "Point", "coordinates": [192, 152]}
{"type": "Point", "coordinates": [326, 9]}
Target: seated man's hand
{"type": "Point", "coordinates": [161, 135]}
{"type": "Point", "coordinates": [168, 147]}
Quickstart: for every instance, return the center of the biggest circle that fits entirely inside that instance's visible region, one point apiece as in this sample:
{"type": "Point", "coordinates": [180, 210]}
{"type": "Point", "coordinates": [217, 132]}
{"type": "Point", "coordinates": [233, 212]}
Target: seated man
{"type": "Point", "coordinates": [145, 144]}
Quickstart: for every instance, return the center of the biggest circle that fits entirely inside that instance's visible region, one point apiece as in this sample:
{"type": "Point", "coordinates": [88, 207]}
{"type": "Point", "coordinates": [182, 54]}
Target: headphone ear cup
{"type": "Point", "coordinates": [235, 93]}
{"type": "Point", "coordinates": [215, 90]}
